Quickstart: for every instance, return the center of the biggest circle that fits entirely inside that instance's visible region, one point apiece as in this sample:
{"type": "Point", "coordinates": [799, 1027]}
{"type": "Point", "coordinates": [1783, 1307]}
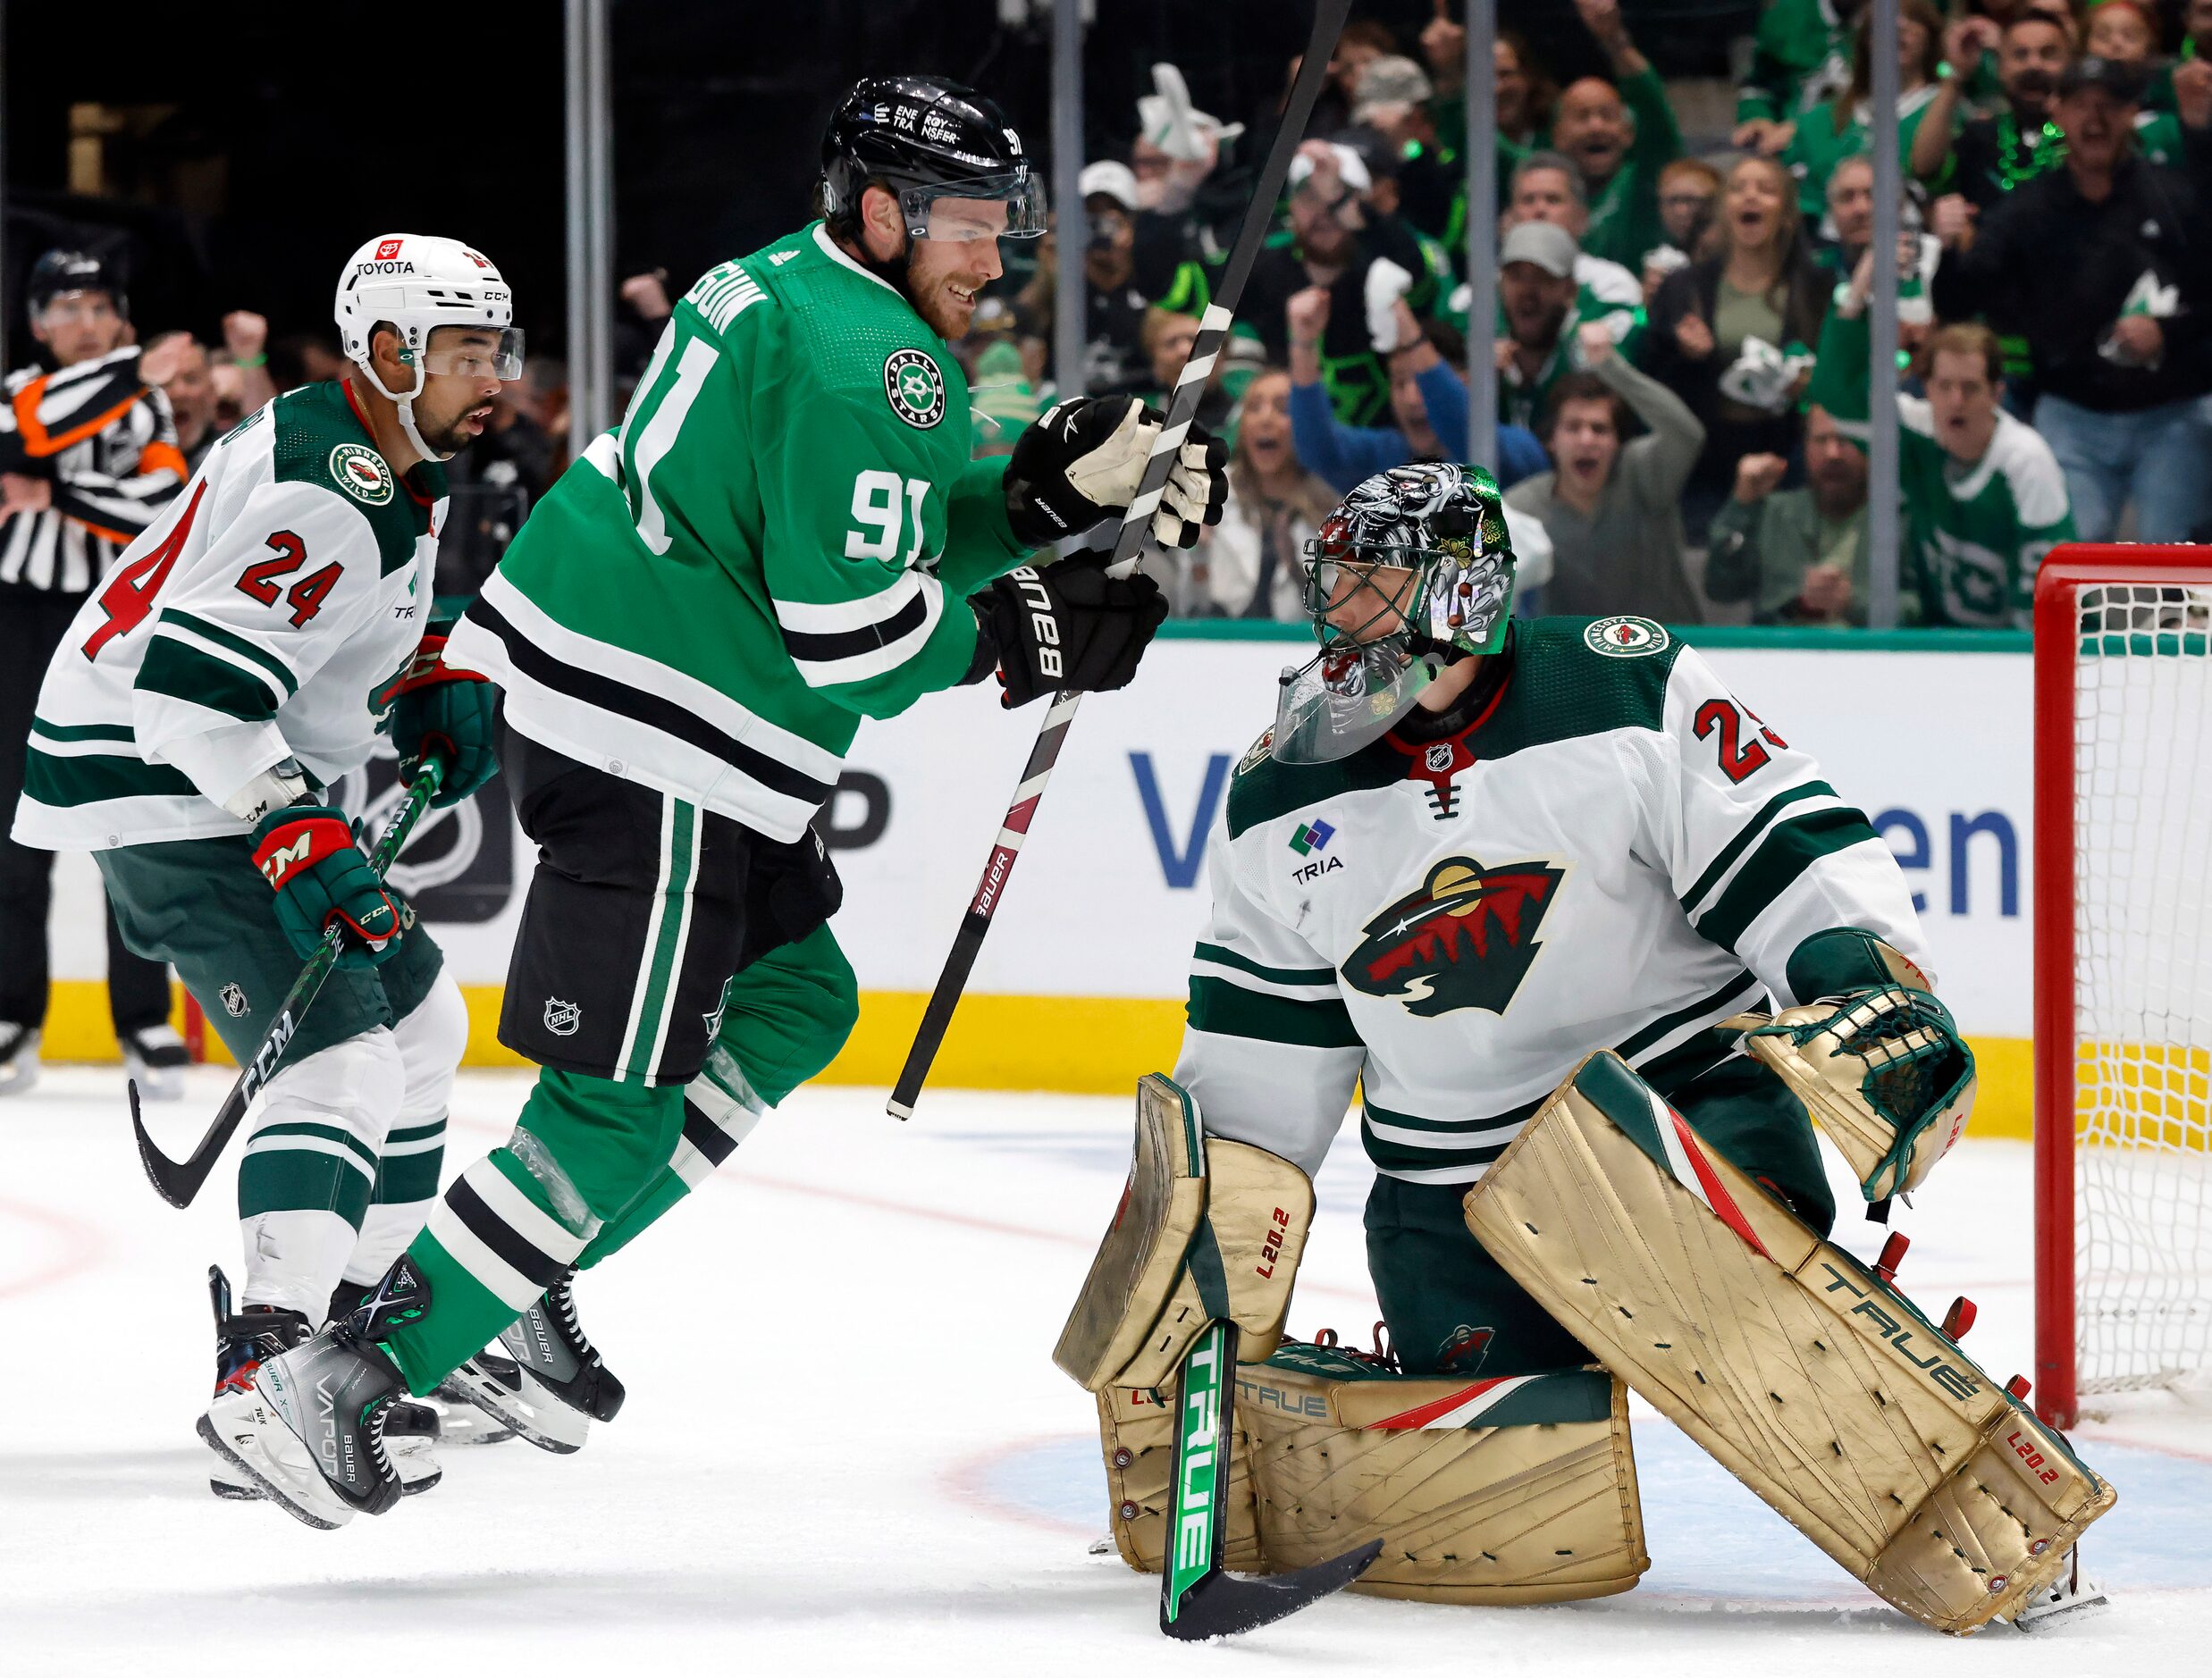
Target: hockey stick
{"type": "Point", "coordinates": [1181, 407]}
{"type": "Point", "coordinates": [176, 1181]}
{"type": "Point", "coordinates": [1198, 1597]}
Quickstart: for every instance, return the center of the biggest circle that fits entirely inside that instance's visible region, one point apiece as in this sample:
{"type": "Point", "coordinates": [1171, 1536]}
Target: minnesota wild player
{"type": "Point", "coordinates": [785, 534]}
{"type": "Point", "coordinates": [230, 669]}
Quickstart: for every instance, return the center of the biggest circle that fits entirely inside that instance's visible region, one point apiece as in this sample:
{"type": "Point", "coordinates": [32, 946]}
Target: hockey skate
{"type": "Point", "coordinates": [446, 1415]}
{"type": "Point", "coordinates": [517, 1399]}
{"type": "Point", "coordinates": [2069, 1596]}
{"type": "Point", "coordinates": [550, 1344]}
{"type": "Point", "coordinates": [310, 1430]}
{"type": "Point", "coordinates": [154, 1059]}
{"type": "Point", "coordinates": [19, 1059]}
{"type": "Point", "coordinates": [411, 1431]}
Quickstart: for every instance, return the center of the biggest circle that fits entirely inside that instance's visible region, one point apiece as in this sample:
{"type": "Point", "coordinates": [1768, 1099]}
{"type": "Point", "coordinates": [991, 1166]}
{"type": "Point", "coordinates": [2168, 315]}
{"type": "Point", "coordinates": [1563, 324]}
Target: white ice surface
{"type": "Point", "coordinates": [846, 1449]}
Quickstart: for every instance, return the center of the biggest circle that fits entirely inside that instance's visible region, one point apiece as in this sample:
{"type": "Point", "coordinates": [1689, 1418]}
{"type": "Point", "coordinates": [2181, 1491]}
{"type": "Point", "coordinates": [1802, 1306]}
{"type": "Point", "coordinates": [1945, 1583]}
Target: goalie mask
{"type": "Point", "coordinates": [1414, 570]}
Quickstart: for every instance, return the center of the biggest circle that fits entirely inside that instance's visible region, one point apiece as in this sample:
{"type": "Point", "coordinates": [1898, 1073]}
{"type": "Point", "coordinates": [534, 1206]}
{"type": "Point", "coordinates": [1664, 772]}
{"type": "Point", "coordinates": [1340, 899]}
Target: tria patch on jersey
{"type": "Point", "coordinates": [915, 386]}
{"type": "Point", "coordinates": [361, 472]}
{"type": "Point", "coordinates": [1626, 637]}
{"type": "Point", "coordinates": [1464, 940]}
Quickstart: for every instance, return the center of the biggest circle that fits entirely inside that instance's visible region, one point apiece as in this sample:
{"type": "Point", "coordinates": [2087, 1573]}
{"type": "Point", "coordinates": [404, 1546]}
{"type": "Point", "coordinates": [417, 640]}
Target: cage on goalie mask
{"type": "Point", "coordinates": [1414, 569]}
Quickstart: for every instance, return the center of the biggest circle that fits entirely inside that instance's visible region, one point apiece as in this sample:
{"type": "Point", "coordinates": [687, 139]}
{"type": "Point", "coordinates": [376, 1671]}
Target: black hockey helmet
{"type": "Point", "coordinates": [63, 271]}
{"type": "Point", "coordinates": [925, 139]}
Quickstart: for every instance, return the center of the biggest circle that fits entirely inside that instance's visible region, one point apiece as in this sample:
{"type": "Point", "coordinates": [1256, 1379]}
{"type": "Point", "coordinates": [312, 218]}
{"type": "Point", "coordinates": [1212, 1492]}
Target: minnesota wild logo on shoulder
{"type": "Point", "coordinates": [361, 472]}
{"type": "Point", "coordinates": [916, 388]}
{"type": "Point", "coordinates": [1624, 637]}
{"type": "Point", "coordinates": [1464, 940]}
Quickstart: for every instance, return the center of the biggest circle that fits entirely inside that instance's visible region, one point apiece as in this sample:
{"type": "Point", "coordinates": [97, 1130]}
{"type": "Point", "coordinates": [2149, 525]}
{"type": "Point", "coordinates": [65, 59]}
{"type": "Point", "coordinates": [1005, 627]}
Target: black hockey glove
{"type": "Point", "coordinates": [1082, 460]}
{"type": "Point", "coordinates": [1069, 625]}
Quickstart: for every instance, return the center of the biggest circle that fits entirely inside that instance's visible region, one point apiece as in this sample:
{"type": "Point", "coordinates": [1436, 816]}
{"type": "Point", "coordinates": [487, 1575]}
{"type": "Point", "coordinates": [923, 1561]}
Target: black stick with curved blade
{"type": "Point", "coordinates": [177, 1181]}
{"type": "Point", "coordinates": [1182, 407]}
{"type": "Point", "coordinates": [1199, 1597]}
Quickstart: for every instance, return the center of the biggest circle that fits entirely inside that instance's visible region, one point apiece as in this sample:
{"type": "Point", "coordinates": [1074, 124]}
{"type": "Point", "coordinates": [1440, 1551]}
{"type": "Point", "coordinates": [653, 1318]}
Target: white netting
{"type": "Point", "coordinates": [2143, 986]}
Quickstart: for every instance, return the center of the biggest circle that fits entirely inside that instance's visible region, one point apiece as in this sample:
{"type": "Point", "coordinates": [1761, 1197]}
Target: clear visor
{"type": "Point", "coordinates": [986, 207]}
{"type": "Point", "coordinates": [1345, 697]}
{"type": "Point", "coordinates": [475, 352]}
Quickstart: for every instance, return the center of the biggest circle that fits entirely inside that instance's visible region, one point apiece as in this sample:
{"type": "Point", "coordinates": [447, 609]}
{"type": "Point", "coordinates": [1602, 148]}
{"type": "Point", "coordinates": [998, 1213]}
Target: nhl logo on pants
{"type": "Point", "coordinates": [561, 1018]}
{"type": "Point", "coordinates": [234, 1000]}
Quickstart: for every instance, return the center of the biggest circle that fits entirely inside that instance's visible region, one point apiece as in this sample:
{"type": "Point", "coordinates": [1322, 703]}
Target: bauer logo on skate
{"type": "Point", "coordinates": [1465, 939]}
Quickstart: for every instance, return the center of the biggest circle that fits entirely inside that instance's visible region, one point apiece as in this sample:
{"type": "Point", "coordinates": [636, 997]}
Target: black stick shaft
{"type": "Point", "coordinates": [177, 1181]}
{"type": "Point", "coordinates": [1182, 406]}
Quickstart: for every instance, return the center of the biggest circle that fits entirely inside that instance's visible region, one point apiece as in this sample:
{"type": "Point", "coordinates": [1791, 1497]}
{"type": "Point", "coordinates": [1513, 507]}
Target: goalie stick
{"type": "Point", "coordinates": [1198, 1597]}
{"type": "Point", "coordinates": [177, 1181]}
{"type": "Point", "coordinates": [1181, 407]}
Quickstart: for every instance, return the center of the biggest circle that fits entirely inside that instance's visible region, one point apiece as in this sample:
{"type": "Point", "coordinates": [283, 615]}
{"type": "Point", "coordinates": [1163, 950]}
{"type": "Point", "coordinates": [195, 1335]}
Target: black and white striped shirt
{"type": "Point", "coordinates": [107, 442]}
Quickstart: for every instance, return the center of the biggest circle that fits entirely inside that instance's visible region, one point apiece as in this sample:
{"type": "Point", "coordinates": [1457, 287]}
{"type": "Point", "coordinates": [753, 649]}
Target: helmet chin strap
{"type": "Point", "coordinates": [404, 401]}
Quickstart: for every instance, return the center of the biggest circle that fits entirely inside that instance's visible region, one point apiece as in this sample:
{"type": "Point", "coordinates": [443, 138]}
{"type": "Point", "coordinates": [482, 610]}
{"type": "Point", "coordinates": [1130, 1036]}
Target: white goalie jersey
{"type": "Point", "coordinates": [255, 621]}
{"type": "Point", "coordinates": [1613, 852]}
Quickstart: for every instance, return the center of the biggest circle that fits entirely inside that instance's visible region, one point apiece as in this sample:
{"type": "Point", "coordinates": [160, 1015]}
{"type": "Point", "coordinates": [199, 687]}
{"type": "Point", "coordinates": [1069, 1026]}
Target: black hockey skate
{"type": "Point", "coordinates": [309, 1429]}
{"type": "Point", "coordinates": [446, 1416]}
{"type": "Point", "coordinates": [549, 1344]}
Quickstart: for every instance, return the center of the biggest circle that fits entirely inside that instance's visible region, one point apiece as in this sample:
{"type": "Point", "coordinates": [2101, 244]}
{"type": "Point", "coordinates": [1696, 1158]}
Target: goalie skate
{"type": "Point", "coordinates": [2069, 1596]}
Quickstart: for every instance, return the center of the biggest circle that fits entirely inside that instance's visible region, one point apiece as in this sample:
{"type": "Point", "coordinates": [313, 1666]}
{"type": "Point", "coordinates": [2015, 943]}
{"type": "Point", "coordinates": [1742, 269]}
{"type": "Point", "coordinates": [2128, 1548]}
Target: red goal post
{"type": "Point", "coordinates": [2123, 1005]}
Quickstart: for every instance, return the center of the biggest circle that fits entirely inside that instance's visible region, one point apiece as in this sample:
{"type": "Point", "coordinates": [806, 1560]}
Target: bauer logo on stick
{"type": "Point", "coordinates": [916, 388]}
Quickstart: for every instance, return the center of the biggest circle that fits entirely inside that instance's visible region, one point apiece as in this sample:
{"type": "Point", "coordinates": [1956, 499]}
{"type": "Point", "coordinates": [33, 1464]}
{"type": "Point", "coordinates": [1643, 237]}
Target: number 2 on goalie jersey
{"type": "Point", "coordinates": [1739, 759]}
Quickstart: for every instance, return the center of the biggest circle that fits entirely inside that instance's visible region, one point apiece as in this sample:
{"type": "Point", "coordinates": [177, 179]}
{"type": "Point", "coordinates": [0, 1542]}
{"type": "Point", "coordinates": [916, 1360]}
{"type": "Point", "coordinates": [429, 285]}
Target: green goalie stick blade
{"type": "Point", "coordinates": [177, 1181]}
{"type": "Point", "coordinates": [1199, 1598]}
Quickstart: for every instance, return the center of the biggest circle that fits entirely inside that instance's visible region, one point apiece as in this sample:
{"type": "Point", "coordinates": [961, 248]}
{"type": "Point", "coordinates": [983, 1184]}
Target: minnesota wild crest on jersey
{"type": "Point", "coordinates": [776, 542]}
{"type": "Point", "coordinates": [1612, 853]}
{"type": "Point", "coordinates": [251, 623]}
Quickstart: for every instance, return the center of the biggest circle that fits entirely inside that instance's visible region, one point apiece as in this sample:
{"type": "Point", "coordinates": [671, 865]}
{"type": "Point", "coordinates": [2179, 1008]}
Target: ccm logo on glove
{"type": "Point", "coordinates": [296, 843]}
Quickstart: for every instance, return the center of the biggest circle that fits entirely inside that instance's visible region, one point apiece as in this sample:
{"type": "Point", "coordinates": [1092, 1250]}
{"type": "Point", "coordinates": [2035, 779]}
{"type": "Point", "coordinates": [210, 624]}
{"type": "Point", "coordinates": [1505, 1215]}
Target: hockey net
{"type": "Point", "coordinates": [2123, 972]}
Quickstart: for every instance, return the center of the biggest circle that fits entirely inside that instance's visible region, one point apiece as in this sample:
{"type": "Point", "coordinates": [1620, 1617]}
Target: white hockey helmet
{"type": "Point", "coordinates": [418, 282]}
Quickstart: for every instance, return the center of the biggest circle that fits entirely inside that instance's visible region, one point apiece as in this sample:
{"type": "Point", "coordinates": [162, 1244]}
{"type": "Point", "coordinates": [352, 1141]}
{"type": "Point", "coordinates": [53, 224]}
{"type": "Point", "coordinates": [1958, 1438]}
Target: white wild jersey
{"type": "Point", "coordinates": [1613, 852]}
{"type": "Point", "coordinates": [288, 584]}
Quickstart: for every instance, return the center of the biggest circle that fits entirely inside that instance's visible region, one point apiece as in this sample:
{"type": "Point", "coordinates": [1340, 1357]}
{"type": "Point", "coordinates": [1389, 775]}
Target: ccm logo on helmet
{"type": "Point", "coordinates": [1043, 624]}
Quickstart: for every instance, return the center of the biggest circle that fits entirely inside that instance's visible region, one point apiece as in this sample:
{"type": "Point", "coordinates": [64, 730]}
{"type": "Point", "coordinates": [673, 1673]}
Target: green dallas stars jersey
{"type": "Point", "coordinates": [1975, 535]}
{"type": "Point", "coordinates": [250, 623]}
{"type": "Point", "coordinates": [778, 540]}
{"type": "Point", "coordinates": [1614, 853]}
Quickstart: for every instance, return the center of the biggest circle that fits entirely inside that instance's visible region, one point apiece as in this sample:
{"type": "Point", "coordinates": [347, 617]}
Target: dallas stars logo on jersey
{"type": "Point", "coordinates": [1464, 940]}
{"type": "Point", "coordinates": [916, 388]}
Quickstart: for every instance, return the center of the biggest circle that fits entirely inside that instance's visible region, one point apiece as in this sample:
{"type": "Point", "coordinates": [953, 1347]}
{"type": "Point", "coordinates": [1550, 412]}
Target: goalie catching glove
{"type": "Point", "coordinates": [1081, 461]}
{"type": "Point", "coordinates": [1064, 627]}
{"type": "Point", "coordinates": [1879, 1064]}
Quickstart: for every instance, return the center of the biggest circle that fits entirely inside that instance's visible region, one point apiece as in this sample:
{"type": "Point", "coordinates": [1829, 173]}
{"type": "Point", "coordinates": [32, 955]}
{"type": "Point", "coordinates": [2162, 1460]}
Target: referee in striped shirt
{"type": "Point", "coordinates": [88, 459]}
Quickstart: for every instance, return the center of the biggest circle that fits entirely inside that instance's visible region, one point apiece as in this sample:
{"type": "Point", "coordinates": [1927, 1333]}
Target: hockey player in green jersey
{"type": "Point", "coordinates": [227, 672]}
{"type": "Point", "coordinates": [1522, 841]}
{"type": "Point", "coordinates": [786, 534]}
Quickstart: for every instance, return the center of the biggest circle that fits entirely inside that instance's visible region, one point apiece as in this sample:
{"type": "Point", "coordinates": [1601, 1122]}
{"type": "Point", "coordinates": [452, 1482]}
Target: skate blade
{"type": "Point", "coordinates": [269, 1488]}
{"type": "Point", "coordinates": [533, 1413]}
{"type": "Point", "coordinates": [460, 1421]}
{"type": "Point", "coordinates": [2037, 1621]}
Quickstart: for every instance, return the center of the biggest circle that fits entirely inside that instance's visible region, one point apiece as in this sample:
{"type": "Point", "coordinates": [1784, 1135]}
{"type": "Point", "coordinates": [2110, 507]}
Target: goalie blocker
{"type": "Point", "coordinates": [1807, 1375]}
{"type": "Point", "coordinates": [1498, 1490]}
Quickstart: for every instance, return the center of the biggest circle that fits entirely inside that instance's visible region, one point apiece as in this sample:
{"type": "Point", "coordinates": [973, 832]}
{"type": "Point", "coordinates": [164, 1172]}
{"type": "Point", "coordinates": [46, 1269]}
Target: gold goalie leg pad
{"type": "Point", "coordinates": [1137, 1428]}
{"type": "Point", "coordinates": [1508, 1489]}
{"type": "Point", "coordinates": [1813, 1382]}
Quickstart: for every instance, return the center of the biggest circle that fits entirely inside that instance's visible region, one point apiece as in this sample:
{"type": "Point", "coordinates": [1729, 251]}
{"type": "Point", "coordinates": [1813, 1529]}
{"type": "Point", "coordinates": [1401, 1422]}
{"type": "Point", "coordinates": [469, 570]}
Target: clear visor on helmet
{"type": "Point", "coordinates": [475, 352]}
{"type": "Point", "coordinates": [1347, 695]}
{"type": "Point", "coordinates": [984, 206]}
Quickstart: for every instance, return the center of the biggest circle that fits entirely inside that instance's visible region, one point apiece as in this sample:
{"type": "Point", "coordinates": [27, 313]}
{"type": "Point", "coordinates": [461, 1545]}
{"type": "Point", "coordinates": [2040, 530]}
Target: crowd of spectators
{"type": "Point", "coordinates": [1682, 342]}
